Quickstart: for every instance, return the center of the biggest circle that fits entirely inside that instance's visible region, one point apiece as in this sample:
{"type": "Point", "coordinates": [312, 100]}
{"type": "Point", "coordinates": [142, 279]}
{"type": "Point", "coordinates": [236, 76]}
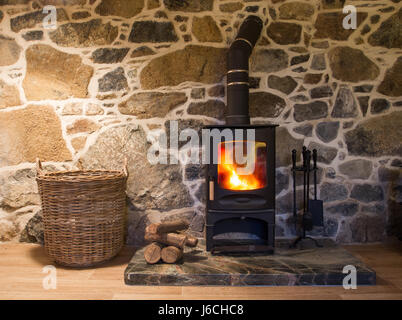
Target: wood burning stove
{"type": "Point", "coordinates": [240, 175]}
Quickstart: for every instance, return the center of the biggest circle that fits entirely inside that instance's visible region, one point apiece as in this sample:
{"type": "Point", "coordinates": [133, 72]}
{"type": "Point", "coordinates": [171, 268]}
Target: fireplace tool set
{"type": "Point", "coordinates": [312, 214]}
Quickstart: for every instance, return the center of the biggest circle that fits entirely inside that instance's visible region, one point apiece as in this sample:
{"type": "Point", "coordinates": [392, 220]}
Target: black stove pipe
{"type": "Point", "coordinates": [237, 75]}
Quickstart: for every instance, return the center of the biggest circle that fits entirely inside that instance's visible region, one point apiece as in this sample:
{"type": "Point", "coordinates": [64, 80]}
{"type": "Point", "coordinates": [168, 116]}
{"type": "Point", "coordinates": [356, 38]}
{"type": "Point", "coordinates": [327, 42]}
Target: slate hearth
{"type": "Point", "coordinates": [287, 267]}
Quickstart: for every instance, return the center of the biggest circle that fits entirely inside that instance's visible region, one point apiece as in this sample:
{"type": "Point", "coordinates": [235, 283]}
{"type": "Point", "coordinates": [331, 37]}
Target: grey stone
{"type": "Point", "coordinates": [284, 84]}
{"type": "Point", "coordinates": [296, 11]}
{"type": "Point", "coordinates": [366, 29]}
{"type": "Point", "coordinates": [299, 59]}
{"type": "Point", "coordinates": [299, 98]}
{"type": "Point", "coordinates": [282, 181]}
{"type": "Point", "coordinates": [217, 91]}
{"type": "Point", "coordinates": [345, 104]}
{"type": "Point", "coordinates": [201, 193]}
{"type": "Point", "coordinates": [363, 102]}
{"type": "Point", "coordinates": [330, 173]}
{"type": "Point", "coordinates": [161, 186]}
{"type": "Point", "coordinates": [31, 19]}
{"type": "Point", "coordinates": [299, 70]}
{"type": "Point", "coordinates": [330, 227]}
{"type": "Point", "coordinates": [194, 172]}
{"type": "Point", "coordinates": [198, 93]}
{"type": "Point", "coordinates": [33, 35]}
{"type": "Point", "coordinates": [304, 129]}
{"type": "Point", "coordinates": [367, 193]}
{"type": "Point", "coordinates": [284, 204]}
{"type": "Point", "coordinates": [204, 29]}
{"type": "Point", "coordinates": [189, 6]}
{"type": "Point", "coordinates": [348, 64]}
{"type": "Point", "coordinates": [397, 104]}
{"type": "Point", "coordinates": [376, 137]}
{"type": "Point", "coordinates": [324, 154]}
{"type": "Point", "coordinates": [84, 34]}
{"type": "Point", "coordinates": [193, 63]}
{"type": "Point", "coordinates": [300, 180]}
{"type": "Point", "coordinates": [333, 192]}
{"type": "Point", "coordinates": [389, 175]}
{"type": "Point", "coordinates": [284, 33]}
{"type": "Point", "coordinates": [374, 19]}
{"type": "Point", "coordinates": [310, 111]}
{"type": "Point", "coordinates": [113, 81]}
{"type": "Point", "coordinates": [252, 8]}
{"type": "Point", "coordinates": [265, 104]}
{"type": "Point", "coordinates": [396, 163]}
{"type": "Point", "coordinates": [387, 9]}
{"type": "Point", "coordinates": [364, 88]}
{"type": "Point", "coordinates": [197, 223]}
{"type": "Point", "coordinates": [367, 228]}
{"type": "Point", "coordinates": [120, 8]}
{"type": "Point", "coordinates": [254, 82]}
{"type": "Point", "coordinates": [141, 51]}
{"type": "Point", "coordinates": [394, 225]}
{"type": "Point", "coordinates": [80, 15]}
{"type": "Point", "coordinates": [285, 143]}
{"type": "Point", "coordinates": [10, 51]}
{"type": "Point", "coordinates": [389, 33]}
{"type": "Point", "coordinates": [321, 92]}
{"type": "Point", "coordinates": [357, 169]}
{"type": "Point", "coordinates": [348, 124]}
{"type": "Point", "coordinates": [269, 60]}
{"type": "Point", "coordinates": [376, 208]}
{"type": "Point", "coordinates": [211, 108]}
{"type": "Point", "coordinates": [18, 189]}
{"type": "Point", "coordinates": [109, 55]}
{"type": "Point", "coordinates": [183, 124]}
{"type": "Point", "coordinates": [392, 83]}
{"type": "Point", "coordinates": [327, 131]}
{"type": "Point", "coordinates": [231, 7]}
{"type": "Point", "coordinates": [379, 106]}
{"type": "Point", "coordinates": [330, 25]}
{"type": "Point", "coordinates": [312, 78]}
{"type": "Point", "coordinates": [397, 193]}
{"type": "Point", "coordinates": [145, 105]}
{"type": "Point", "coordinates": [152, 31]}
{"type": "Point", "coordinates": [34, 230]}
{"type": "Point", "coordinates": [320, 44]}
{"type": "Point", "coordinates": [318, 62]}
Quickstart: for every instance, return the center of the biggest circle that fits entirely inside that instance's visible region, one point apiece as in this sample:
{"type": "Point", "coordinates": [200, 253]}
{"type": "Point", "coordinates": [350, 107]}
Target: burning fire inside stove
{"type": "Point", "coordinates": [250, 173]}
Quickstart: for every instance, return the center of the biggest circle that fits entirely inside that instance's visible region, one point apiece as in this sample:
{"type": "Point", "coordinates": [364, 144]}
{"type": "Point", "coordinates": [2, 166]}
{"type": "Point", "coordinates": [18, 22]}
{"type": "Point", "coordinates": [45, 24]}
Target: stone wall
{"type": "Point", "coordinates": [89, 92]}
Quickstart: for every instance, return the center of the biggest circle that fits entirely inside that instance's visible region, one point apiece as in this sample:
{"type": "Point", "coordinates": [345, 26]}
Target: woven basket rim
{"type": "Point", "coordinates": [81, 175]}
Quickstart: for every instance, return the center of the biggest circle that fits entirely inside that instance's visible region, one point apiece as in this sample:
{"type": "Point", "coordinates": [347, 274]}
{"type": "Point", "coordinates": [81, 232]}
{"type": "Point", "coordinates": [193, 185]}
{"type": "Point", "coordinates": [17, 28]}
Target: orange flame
{"type": "Point", "coordinates": [228, 177]}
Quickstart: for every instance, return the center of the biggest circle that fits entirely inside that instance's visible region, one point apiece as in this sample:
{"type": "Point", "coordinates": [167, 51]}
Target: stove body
{"type": "Point", "coordinates": [240, 209]}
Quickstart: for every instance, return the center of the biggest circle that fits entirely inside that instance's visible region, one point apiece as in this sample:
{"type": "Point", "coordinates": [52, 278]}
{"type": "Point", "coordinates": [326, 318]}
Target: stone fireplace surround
{"type": "Point", "coordinates": [87, 93]}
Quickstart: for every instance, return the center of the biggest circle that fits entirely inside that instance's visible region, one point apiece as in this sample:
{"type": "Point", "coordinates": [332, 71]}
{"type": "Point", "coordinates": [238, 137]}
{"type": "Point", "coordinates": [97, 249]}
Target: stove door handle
{"type": "Point", "coordinates": [211, 190]}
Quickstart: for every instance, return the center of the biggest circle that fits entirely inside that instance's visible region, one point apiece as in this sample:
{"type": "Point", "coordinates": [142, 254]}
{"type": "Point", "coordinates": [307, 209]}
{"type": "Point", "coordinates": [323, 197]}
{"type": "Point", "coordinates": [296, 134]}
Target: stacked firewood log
{"type": "Point", "coordinates": [167, 241]}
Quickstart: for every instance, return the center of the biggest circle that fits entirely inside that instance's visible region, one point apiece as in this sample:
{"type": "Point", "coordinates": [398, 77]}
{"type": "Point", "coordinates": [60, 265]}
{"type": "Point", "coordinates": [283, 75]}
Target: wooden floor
{"type": "Point", "coordinates": [21, 278]}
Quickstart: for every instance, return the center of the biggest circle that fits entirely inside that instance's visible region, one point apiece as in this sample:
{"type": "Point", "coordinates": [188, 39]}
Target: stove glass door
{"type": "Point", "coordinates": [242, 165]}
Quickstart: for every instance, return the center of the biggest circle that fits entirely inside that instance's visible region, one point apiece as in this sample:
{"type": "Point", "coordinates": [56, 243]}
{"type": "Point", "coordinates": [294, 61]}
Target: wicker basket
{"type": "Point", "coordinates": [83, 213]}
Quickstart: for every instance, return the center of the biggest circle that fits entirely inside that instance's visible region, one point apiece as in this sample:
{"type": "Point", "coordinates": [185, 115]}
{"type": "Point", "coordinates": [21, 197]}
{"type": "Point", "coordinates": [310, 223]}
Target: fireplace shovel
{"type": "Point", "coordinates": [316, 206]}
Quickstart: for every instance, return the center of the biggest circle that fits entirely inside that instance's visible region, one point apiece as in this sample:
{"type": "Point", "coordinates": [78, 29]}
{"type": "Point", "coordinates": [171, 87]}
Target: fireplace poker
{"type": "Point", "coordinates": [294, 156]}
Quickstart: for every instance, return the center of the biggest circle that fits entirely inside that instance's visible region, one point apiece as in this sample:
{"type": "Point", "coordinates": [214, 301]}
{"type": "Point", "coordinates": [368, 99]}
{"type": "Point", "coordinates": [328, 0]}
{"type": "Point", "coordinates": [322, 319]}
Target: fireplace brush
{"type": "Point", "coordinates": [307, 220]}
